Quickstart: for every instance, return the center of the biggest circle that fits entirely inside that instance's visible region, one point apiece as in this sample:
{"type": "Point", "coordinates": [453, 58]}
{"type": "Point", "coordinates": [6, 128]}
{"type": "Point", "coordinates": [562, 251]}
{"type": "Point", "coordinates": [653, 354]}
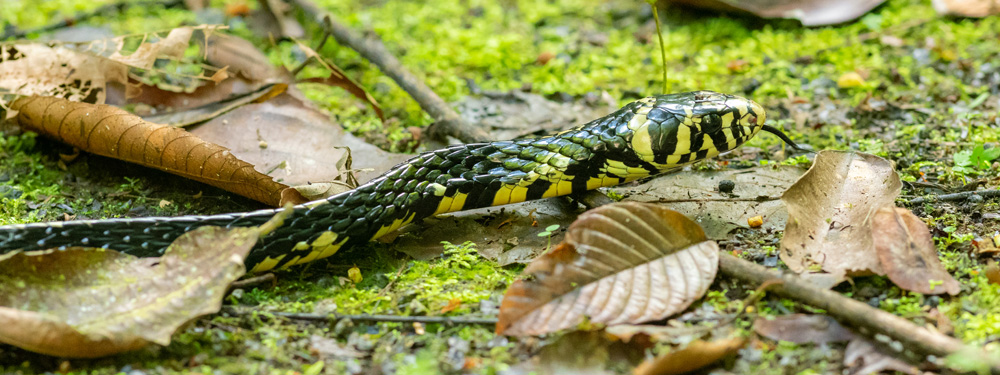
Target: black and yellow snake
{"type": "Point", "coordinates": [646, 137]}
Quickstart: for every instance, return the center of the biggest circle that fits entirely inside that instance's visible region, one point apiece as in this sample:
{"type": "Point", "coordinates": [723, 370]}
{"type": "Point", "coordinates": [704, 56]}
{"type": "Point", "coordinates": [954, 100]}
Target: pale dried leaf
{"type": "Point", "coordinates": [34, 69]}
{"type": "Point", "coordinates": [802, 328]}
{"type": "Point", "coordinates": [303, 146]}
{"type": "Point", "coordinates": [87, 303]}
{"type": "Point", "coordinates": [172, 46]}
{"type": "Point", "coordinates": [863, 358]}
{"type": "Point", "coordinates": [830, 210]}
{"type": "Point", "coordinates": [694, 356]}
{"type": "Point", "coordinates": [967, 8]}
{"type": "Point", "coordinates": [907, 253]}
{"type": "Point", "coordinates": [620, 263]}
{"type": "Point", "coordinates": [809, 12]}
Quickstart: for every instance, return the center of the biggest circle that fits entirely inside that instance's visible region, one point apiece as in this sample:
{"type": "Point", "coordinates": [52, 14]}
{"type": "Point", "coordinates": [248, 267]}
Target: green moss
{"type": "Point", "coordinates": [976, 315]}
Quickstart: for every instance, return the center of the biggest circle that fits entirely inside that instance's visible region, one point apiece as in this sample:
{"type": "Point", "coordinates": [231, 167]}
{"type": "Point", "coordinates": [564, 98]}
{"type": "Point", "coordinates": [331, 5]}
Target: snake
{"type": "Point", "coordinates": [647, 137]}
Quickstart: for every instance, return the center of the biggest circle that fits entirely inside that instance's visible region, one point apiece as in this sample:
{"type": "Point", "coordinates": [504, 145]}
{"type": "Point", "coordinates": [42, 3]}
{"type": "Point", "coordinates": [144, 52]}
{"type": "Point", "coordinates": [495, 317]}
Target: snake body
{"type": "Point", "coordinates": [650, 136]}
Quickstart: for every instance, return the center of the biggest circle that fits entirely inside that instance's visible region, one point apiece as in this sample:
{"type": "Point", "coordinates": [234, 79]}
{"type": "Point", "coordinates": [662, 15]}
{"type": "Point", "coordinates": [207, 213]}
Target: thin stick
{"type": "Point", "coordinates": [447, 121]}
{"type": "Point", "coordinates": [373, 318]}
{"type": "Point", "coordinates": [854, 313]}
{"type": "Point", "coordinates": [957, 196]}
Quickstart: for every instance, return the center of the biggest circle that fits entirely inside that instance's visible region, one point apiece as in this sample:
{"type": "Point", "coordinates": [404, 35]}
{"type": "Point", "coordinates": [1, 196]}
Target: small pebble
{"type": "Point", "coordinates": [726, 186]}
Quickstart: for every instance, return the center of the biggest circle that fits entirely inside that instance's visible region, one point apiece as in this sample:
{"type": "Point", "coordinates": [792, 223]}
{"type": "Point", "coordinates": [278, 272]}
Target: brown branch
{"type": "Point", "coordinates": [371, 318]}
{"type": "Point", "coordinates": [447, 121]}
{"type": "Point", "coordinates": [852, 312]}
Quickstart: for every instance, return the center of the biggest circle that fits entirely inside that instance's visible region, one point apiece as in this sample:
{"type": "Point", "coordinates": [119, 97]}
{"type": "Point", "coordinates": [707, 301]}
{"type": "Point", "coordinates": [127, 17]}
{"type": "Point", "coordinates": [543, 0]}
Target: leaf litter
{"type": "Point", "coordinates": [620, 263]}
{"type": "Point", "coordinates": [86, 302]}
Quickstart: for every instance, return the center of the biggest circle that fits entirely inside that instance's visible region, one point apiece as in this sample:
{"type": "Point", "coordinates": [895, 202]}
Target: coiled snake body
{"type": "Point", "coordinates": [646, 137]}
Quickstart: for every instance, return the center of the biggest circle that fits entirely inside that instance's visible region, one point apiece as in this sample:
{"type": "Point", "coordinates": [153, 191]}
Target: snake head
{"type": "Point", "coordinates": [672, 130]}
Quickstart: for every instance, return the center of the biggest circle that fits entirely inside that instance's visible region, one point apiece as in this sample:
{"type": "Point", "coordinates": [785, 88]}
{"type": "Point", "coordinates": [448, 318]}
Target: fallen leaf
{"type": "Point", "coordinates": [907, 253]}
{"type": "Point", "coordinates": [86, 303]}
{"type": "Point", "coordinates": [354, 273]}
{"type": "Point", "coordinates": [967, 8]}
{"type": "Point", "coordinates": [830, 210]}
{"type": "Point", "coordinates": [756, 192]}
{"type": "Point", "coordinates": [453, 304]}
{"type": "Point", "coordinates": [862, 357]}
{"type": "Point", "coordinates": [992, 272]}
{"type": "Point", "coordinates": [809, 12]}
{"type": "Point", "coordinates": [694, 356]}
{"type": "Point", "coordinates": [850, 80]}
{"type": "Point", "coordinates": [303, 145]}
{"type": "Point", "coordinates": [802, 328]}
{"type": "Point", "coordinates": [331, 350]}
{"type": "Point", "coordinates": [109, 131]}
{"type": "Point", "coordinates": [620, 263]}
{"type": "Point", "coordinates": [209, 111]}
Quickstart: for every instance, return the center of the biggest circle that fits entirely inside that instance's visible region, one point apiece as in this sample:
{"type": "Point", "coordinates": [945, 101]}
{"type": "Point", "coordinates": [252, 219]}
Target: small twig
{"type": "Point", "coordinates": [956, 196]}
{"type": "Point", "coordinates": [322, 42]}
{"type": "Point", "coordinates": [372, 318]}
{"type": "Point", "coordinates": [447, 121]}
{"type": "Point", "coordinates": [254, 281]}
{"type": "Point", "coordinates": [70, 21]}
{"type": "Point", "coordinates": [760, 198]}
{"type": "Point", "coordinates": [854, 313]}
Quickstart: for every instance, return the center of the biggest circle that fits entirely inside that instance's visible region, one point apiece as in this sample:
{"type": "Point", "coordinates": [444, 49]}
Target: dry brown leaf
{"type": "Point", "coordinates": [113, 132]}
{"type": "Point", "coordinates": [992, 272]}
{"type": "Point", "coordinates": [802, 328]}
{"type": "Point", "coordinates": [242, 57]}
{"type": "Point", "coordinates": [303, 146]}
{"type": "Point", "coordinates": [809, 12]}
{"type": "Point", "coordinates": [830, 210]}
{"type": "Point", "coordinates": [694, 356]}
{"type": "Point", "coordinates": [86, 303]}
{"type": "Point", "coordinates": [209, 111]}
{"type": "Point", "coordinates": [32, 69]}
{"type": "Point", "coordinates": [907, 253]}
{"type": "Point", "coordinates": [620, 263]}
{"type": "Point", "coordinates": [82, 71]}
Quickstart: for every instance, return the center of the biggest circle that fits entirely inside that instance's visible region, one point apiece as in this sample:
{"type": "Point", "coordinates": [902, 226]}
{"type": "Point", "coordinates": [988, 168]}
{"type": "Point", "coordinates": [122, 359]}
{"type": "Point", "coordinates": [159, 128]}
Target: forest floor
{"type": "Point", "coordinates": [901, 82]}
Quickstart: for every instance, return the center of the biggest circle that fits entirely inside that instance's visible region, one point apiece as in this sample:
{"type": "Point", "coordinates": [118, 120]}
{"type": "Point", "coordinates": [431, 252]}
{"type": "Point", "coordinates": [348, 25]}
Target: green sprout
{"type": "Point", "coordinates": [548, 233]}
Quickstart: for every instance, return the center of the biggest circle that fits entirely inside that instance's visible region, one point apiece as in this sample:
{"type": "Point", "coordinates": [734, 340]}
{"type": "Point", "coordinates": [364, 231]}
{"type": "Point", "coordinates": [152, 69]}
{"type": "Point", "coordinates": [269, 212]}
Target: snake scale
{"type": "Point", "coordinates": [650, 136]}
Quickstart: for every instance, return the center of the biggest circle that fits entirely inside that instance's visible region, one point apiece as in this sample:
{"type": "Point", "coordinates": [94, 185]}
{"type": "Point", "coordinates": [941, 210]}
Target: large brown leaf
{"type": "Point", "coordinates": [86, 303]}
{"type": "Point", "coordinates": [907, 253]}
{"type": "Point", "coordinates": [620, 263]}
{"type": "Point", "coordinates": [830, 210]}
{"type": "Point", "coordinates": [113, 132]}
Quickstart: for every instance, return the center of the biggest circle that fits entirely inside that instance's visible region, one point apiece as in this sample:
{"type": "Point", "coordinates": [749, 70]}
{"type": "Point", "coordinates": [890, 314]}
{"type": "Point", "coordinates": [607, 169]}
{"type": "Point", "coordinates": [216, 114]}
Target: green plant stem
{"type": "Point", "coordinates": [663, 47]}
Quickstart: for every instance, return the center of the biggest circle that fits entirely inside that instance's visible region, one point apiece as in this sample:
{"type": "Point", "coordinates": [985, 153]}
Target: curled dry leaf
{"type": "Point", "coordinates": [802, 328]}
{"type": "Point", "coordinates": [694, 356]}
{"type": "Point", "coordinates": [215, 109]}
{"type": "Point", "coordinates": [810, 12]}
{"type": "Point", "coordinates": [830, 210]}
{"type": "Point", "coordinates": [908, 254]}
{"type": "Point", "coordinates": [81, 71]}
{"type": "Point", "coordinates": [113, 132]}
{"type": "Point", "coordinates": [86, 303]}
{"type": "Point", "coordinates": [620, 263]}
{"type": "Point", "coordinates": [863, 357]}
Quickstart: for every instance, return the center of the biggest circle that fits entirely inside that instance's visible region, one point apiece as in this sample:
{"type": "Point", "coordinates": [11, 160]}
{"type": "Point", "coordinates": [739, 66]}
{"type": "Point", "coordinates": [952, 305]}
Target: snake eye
{"type": "Point", "coordinates": [752, 119]}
